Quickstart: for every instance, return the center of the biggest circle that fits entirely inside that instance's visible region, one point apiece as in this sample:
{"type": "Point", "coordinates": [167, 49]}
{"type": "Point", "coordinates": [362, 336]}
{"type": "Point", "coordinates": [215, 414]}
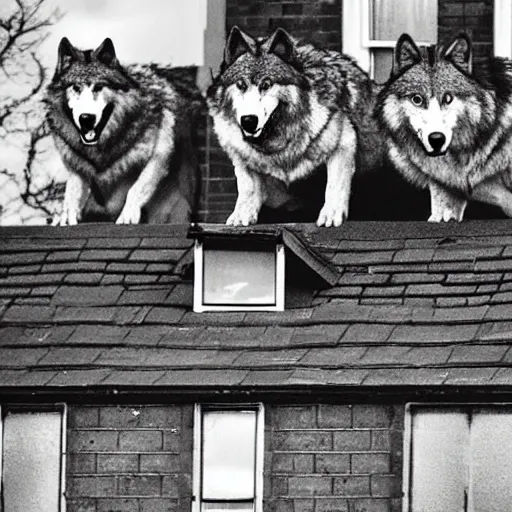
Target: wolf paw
{"type": "Point", "coordinates": [446, 215]}
{"type": "Point", "coordinates": [243, 217]}
{"type": "Point", "coordinates": [69, 217]}
{"type": "Point", "coordinates": [129, 215]}
{"type": "Point", "coordinates": [332, 216]}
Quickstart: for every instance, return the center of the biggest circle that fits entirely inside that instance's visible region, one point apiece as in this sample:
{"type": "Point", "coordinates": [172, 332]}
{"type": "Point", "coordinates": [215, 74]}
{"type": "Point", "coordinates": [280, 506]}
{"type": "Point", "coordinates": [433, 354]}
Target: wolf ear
{"type": "Point", "coordinates": [106, 53]}
{"type": "Point", "coordinates": [406, 53]}
{"type": "Point", "coordinates": [237, 44]}
{"type": "Point", "coordinates": [67, 53]}
{"type": "Point", "coordinates": [281, 44]}
{"type": "Point", "coordinates": [460, 52]}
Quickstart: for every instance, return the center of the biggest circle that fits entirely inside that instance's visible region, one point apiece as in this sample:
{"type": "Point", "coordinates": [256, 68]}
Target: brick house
{"type": "Point", "coordinates": [346, 25]}
{"type": "Point", "coordinates": [388, 389]}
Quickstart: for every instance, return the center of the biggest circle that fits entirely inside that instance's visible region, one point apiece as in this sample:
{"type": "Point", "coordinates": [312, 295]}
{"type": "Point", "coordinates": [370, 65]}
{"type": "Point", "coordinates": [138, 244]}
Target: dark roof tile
{"type": "Point", "coordinates": [406, 377]}
{"type": "Point", "coordinates": [367, 333]}
{"type": "Point", "coordinates": [417, 304]}
{"type": "Point", "coordinates": [329, 357]}
{"type": "Point", "coordinates": [80, 378]}
{"type": "Point", "coordinates": [469, 376]}
{"type": "Point", "coordinates": [22, 269]}
{"type": "Point", "coordinates": [28, 313]}
{"type": "Point", "coordinates": [504, 264]}
{"type": "Point", "coordinates": [478, 353]}
{"type": "Point", "coordinates": [321, 376]}
{"type": "Point", "coordinates": [471, 254]}
{"type": "Point", "coordinates": [25, 378]}
{"type": "Point", "coordinates": [69, 356]}
{"type": "Point", "coordinates": [63, 256]}
{"type": "Point", "coordinates": [320, 334]}
{"type": "Point", "coordinates": [87, 296]}
{"type": "Point", "coordinates": [133, 377]}
{"type": "Point", "coordinates": [88, 278]}
{"type": "Point", "coordinates": [204, 378]}
{"type": "Point", "coordinates": [21, 357]}
{"type": "Point", "coordinates": [433, 333]}
{"type": "Point", "coordinates": [67, 314]}
{"type": "Point", "coordinates": [113, 243]}
{"type": "Point", "coordinates": [156, 255]}
{"type": "Point", "coordinates": [413, 255]}
{"type": "Point", "coordinates": [164, 315]}
{"type": "Point", "coordinates": [269, 358]}
{"type": "Point", "coordinates": [496, 331]}
{"type": "Point", "coordinates": [148, 297]}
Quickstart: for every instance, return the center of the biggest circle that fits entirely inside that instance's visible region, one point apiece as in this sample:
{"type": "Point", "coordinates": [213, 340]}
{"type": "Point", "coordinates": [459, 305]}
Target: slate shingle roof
{"type": "Point", "coordinates": [110, 306]}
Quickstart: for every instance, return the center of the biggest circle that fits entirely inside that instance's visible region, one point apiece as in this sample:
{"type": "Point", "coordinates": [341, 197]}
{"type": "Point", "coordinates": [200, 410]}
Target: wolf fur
{"type": "Point", "coordinates": [449, 127]}
{"type": "Point", "coordinates": [124, 134]}
{"type": "Point", "coordinates": [280, 109]}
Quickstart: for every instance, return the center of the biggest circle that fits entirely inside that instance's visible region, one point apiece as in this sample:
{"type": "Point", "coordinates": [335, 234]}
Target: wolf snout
{"type": "Point", "coordinates": [87, 121]}
{"type": "Point", "coordinates": [249, 123]}
{"type": "Point", "coordinates": [437, 141]}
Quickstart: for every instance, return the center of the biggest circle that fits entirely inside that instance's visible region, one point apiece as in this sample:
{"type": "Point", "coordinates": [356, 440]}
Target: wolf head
{"type": "Point", "coordinates": [430, 91]}
{"type": "Point", "coordinates": [257, 77]}
{"type": "Point", "coordinates": [89, 79]}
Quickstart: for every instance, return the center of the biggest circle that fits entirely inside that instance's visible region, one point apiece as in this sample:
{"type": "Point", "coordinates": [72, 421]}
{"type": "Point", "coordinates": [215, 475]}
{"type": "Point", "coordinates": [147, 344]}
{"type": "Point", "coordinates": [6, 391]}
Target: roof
{"type": "Point", "coordinates": [106, 306]}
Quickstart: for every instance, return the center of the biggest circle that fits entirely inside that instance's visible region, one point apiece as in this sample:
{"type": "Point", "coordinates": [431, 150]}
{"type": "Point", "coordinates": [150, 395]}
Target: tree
{"type": "Point", "coordinates": [24, 25]}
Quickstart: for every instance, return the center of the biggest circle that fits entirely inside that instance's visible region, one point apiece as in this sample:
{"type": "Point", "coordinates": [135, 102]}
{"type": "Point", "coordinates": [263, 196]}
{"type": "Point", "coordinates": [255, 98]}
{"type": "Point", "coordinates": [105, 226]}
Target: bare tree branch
{"type": "Point", "coordinates": [23, 28]}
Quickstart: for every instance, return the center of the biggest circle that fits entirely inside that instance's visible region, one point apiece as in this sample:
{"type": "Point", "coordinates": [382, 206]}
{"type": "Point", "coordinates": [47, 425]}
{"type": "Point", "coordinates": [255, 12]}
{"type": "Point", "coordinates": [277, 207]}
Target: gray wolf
{"type": "Point", "coordinates": [124, 135]}
{"type": "Point", "coordinates": [448, 126]}
{"type": "Point", "coordinates": [280, 109]}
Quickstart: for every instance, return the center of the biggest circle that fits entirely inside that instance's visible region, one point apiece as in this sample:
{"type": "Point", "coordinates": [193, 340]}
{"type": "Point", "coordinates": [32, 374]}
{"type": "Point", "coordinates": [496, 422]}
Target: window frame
{"type": "Point", "coordinates": [408, 436]}
{"type": "Point", "coordinates": [199, 304]}
{"type": "Point", "coordinates": [197, 469]}
{"type": "Point", "coordinates": [356, 40]}
{"type": "Point", "coordinates": [34, 408]}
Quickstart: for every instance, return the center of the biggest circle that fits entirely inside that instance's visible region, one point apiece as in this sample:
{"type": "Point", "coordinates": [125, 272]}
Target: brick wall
{"type": "Point", "coordinates": [472, 16]}
{"type": "Point", "coordinates": [129, 459]}
{"type": "Point", "coordinates": [320, 22]}
{"type": "Point", "coordinates": [317, 21]}
{"type": "Point", "coordinates": [343, 458]}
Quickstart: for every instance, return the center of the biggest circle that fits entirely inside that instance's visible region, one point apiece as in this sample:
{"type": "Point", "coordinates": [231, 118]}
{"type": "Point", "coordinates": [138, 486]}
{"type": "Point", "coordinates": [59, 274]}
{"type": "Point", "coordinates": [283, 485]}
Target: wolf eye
{"type": "Point", "coordinates": [447, 98]}
{"type": "Point", "coordinates": [265, 85]}
{"type": "Point", "coordinates": [241, 85]}
{"type": "Point", "coordinates": [76, 88]}
{"type": "Point", "coordinates": [417, 100]}
{"type": "Point", "coordinates": [97, 87]}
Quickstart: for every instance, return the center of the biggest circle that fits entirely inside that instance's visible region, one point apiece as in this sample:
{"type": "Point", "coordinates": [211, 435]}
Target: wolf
{"type": "Point", "coordinates": [124, 135]}
{"type": "Point", "coordinates": [281, 108]}
{"type": "Point", "coordinates": [448, 124]}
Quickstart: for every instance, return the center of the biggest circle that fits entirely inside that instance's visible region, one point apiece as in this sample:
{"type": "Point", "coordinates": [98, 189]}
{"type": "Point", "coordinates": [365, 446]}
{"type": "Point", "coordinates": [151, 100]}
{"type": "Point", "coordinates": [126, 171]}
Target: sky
{"type": "Point", "coordinates": [164, 31]}
{"type": "Point", "coordinates": [168, 32]}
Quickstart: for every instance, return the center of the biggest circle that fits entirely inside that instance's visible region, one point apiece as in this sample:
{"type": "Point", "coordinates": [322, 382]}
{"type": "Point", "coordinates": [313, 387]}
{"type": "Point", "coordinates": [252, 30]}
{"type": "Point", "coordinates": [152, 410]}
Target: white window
{"type": "Point", "coordinates": [228, 458]}
{"type": "Point", "coordinates": [32, 459]}
{"type": "Point", "coordinates": [503, 28]}
{"type": "Point", "coordinates": [237, 276]}
{"type": "Point", "coordinates": [372, 27]}
{"type": "Point", "coordinates": [458, 458]}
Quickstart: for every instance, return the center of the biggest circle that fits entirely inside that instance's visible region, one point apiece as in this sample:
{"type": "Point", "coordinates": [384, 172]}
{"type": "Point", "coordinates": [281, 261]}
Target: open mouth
{"type": "Point", "coordinates": [90, 137]}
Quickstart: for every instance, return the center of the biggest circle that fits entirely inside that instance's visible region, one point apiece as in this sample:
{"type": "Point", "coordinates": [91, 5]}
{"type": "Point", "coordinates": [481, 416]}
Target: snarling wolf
{"type": "Point", "coordinates": [449, 126]}
{"type": "Point", "coordinates": [124, 134]}
{"type": "Point", "coordinates": [280, 109]}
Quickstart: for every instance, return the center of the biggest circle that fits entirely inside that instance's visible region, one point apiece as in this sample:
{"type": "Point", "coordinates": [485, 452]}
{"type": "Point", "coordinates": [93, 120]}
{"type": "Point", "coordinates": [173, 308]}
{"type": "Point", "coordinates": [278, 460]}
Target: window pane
{"type": "Point", "coordinates": [491, 463]}
{"type": "Point", "coordinates": [229, 455]}
{"type": "Point", "coordinates": [31, 462]}
{"type": "Point", "coordinates": [439, 466]}
{"type": "Point", "coordinates": [382, 64]}
{"type": "Point", "coordinates": [239, 277]}
{"type": "Point", "coordinates": [228, 507]}
{"type": "Point", "coordinates": [390, 18]}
